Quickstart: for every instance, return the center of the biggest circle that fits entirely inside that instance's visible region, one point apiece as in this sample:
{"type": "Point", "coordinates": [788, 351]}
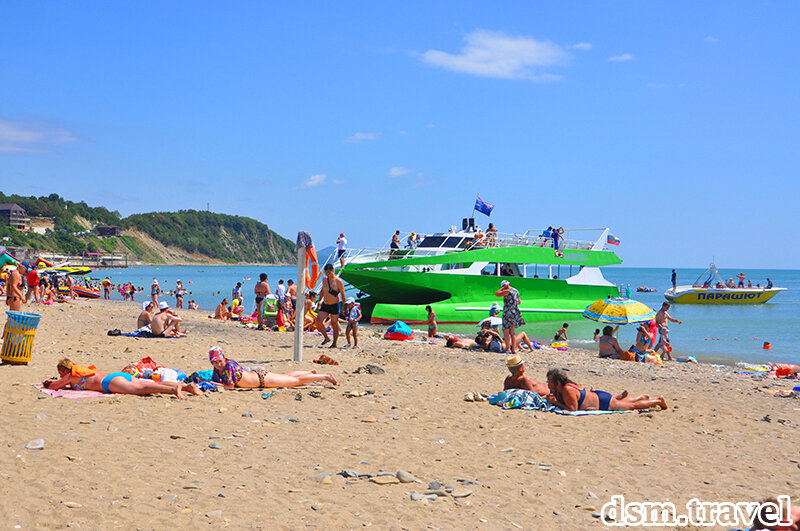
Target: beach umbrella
{"type": "Point", "coordinates": [618, 311]}
{"type": "Point", "coordinates": [493, 321]}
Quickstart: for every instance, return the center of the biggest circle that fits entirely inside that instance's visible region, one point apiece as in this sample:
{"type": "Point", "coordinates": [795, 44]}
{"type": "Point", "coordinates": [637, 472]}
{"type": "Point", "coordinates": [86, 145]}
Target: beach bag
{"type": "Point", "coordinates": [399, 331]}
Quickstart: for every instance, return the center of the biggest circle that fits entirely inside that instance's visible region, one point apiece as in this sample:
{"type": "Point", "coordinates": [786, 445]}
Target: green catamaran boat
{"type": "Point", "coordinates": [458, 272]}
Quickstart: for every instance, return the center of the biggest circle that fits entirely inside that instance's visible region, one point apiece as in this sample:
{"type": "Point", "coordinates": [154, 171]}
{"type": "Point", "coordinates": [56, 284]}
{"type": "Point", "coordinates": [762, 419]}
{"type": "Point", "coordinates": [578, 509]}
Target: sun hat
{"type": "Point", "coordinates": [504, 283]}
{"type": "Point", "coordinates": [155, 281]}
{"type": "Point", "coordinates": [145, 304]}
{"type": "Point", "coordinates": [214, 354]}
{"type": "Point", "coordinates": [514, 360]}
{"type": "Point", "coordinates": [350, 300]}
{"type": "Point", "coordinates": [163, 305]}
{"type": "Point", "coordinates": [495, 305]}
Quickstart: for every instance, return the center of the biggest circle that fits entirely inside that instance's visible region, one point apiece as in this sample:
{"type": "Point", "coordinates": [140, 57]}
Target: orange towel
{"type": "Point", "coordinates": [77, 370]}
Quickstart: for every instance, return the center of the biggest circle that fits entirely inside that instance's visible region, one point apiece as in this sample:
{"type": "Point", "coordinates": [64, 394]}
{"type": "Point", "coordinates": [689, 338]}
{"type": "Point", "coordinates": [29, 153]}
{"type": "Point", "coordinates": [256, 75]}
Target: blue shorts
{"type": "Point", "coordinates": [107, 380]}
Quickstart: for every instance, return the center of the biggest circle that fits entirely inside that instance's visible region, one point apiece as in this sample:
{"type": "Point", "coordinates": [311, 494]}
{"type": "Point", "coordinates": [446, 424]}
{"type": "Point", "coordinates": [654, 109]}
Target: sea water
{"type": "Point", "coordinates": [710, 332]}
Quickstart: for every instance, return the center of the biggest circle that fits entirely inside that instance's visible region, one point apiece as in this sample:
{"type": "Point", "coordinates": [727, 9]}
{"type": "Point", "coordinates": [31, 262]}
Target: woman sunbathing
{"type": "Point", "coordinates": [229, 374]}
{"type": "Point", "coordinates": [90, 379]}
{"type": "Point", "coordinates": [490, 341]}
{"type": "Point", "coordinates": [568, 395]}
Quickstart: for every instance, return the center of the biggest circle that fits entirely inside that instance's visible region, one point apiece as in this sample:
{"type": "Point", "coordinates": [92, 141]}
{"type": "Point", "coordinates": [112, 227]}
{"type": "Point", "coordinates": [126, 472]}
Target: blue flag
{"type": "Point", "coordinates": [483, 207]}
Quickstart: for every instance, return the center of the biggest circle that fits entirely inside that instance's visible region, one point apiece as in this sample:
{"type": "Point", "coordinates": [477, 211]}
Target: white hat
{"type": "Point", "coordinates": [145, 304]}
{"type": "Point", "coordinates": [155, 281]}
{"type": "Point", "coordinates": [495, 304]}
{"type": "Point", "coordinates": [504, 283]}
{"type": "Point", "coordinates": [350, 300]}
{"type": "Point", "coordinates": [163, 305]}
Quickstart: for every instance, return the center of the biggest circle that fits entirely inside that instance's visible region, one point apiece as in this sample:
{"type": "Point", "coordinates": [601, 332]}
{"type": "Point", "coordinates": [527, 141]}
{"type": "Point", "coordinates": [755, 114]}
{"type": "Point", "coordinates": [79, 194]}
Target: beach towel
{"type": "Point", "coordinates": [523, 399]}
{"type": "Point", "coordinates": [69, 393]}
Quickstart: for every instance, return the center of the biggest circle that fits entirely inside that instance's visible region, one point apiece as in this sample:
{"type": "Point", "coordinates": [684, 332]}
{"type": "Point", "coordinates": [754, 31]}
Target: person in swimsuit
{"type": "Point", "coordinates": [662, 322]}
{"type": "Point", "coordinates": [145, 317]}
{"type": "Point", "coordinates": [14, 294]}
{"type": "Point", "coordinates": [166, 322]}
{"type": "Point", "coordinates": [465, 343]}
{"type": "Point", "coordinates": [155, 291]}
{"type": "Point", "coordinates": [229, 374]}
{"type": "Point", "coordinates": [512, 317]}
{"type": "Point", "coordinates": [332, 292]}
{"type": "Point", "coordinates": [353, 317]}
{"type": "Point", "coordinates": [609, 346]}
{"type": "Point", "coordinates": [222, 313]}
{"type": "Point", "coordinates": [433, 327]}
{"type": "Point", "coordinates": [518, 380]}
{"type": "Point", "coordinates": [261, 291]}
{"type": "Point", "coordinates": [561, 335]}
{"type": "Point", "coordinates": [642, 345]}
{"type": "Point", "coordinates": [490, 341]}
{"type": "Point", "coordinates": [90, 379]}
{"type": "Point", "coordinates": [568, 395]}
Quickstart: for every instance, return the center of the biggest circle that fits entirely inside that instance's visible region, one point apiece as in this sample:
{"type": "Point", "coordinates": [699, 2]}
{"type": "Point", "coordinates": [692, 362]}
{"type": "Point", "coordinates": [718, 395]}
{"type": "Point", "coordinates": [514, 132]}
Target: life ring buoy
{"type": "Point", "coordinates": [312, 268]}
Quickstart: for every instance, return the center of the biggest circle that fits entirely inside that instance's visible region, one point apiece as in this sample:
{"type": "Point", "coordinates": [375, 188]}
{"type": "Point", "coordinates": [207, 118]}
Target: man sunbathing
{"type": "Point", "coordinates": [518, 380]}
{"type": "Point", "coordinates": [165, 323]}
{"type": "Point", "coordinates": [90, 379]}
{"type": "Point", "coordinates": [465, 343]}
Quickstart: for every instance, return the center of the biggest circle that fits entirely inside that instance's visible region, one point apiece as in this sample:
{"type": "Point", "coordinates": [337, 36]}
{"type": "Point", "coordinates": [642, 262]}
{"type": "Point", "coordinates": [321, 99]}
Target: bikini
{"type": "Point", "coordinates": [603, 397]}
{"type": "Point", "coordinates": [331, 308]}
{"type": "Point", "coordinates": [107, 380]}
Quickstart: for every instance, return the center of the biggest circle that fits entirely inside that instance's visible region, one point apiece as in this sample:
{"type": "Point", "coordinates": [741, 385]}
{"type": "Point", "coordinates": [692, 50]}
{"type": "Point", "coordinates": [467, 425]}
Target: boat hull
{"type": "Point", "coordinates": [722, 296]}
{"type": "Point", "coordinates": [80, 291]}
{"type": "Point", "coordinates": [459, 298]}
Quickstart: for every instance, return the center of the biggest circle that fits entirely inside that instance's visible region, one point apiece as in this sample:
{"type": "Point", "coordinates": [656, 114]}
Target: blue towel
{"type": "Point", "coordinates": [522, 399]}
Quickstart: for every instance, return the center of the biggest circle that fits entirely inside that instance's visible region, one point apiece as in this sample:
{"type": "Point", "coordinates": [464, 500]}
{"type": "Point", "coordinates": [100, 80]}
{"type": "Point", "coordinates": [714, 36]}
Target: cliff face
{"type": "Point", "coordinates": [187, 236]}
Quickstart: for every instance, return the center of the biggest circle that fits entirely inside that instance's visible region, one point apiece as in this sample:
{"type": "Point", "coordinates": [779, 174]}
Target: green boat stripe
{"type": "Point", "coordinates": [550, 310]}
{"type": "Point", "coordinates": [510, 255]}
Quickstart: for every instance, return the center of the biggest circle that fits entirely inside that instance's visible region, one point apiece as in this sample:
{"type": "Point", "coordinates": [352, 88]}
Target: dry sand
{"type": "Point", "coordinates": [145, 462]}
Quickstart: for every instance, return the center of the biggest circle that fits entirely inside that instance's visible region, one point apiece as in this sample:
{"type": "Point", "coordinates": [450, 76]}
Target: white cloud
{"type": "Point", "coordinates": [430, 126]}
{"type": "Point", "coordinates": [313, 181]}
{"type": "Point", "coordinates": [31, 137]}
{"type": "Point", "coordinates": [397, 171]}
{"type": "Point", "coordinates": [621, 58]}
{"type": "Point", "coordinates": [712, 40]}
{"type": "Point", "coordinates": [360, 137]}
{"type": "Point", "coordinates": [585, 46]}
{"type": "Point", "coordinates": [656, 85]}
{"type": "Point", "coordinates": [495, 54]}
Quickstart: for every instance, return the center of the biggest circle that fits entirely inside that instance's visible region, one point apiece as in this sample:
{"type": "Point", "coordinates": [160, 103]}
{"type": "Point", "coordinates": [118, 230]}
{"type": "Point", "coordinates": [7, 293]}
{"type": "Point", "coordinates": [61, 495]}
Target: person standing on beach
{"type": "Point", "coordinates": [14, 295]}
{"type": "Point", "coordinates": [662, 322]}
{"type": "Point", "coordinates": [291, 294]}
{"type": "Point", "coordinates": [280, 292]}
{"type": "Point", "coordinates": [71, 286]}
{"type": "Point", "coordinates": [237, 292]}
{"type": "Point", "coordinates": [512, 318]}
{"type": "Point", "coordinates": [332, 291]}
{"type": "Point", "coordinates": [33, 285]}
{"type": "Point", "coordinates": [341, 248]}
{"type": "Point", "coordinates": [180, 291]}
{"type": "Point", "coordinates": [261, 291]}
{"type": "Point", "coordinates": [674, 282]}
{"type": "Point", "coordinates": [155, 291]}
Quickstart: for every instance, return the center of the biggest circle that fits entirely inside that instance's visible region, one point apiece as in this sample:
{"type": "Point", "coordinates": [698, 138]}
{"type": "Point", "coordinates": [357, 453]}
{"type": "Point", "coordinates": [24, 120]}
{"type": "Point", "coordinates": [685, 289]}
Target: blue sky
{"type": "Point", "coordinates": [673, 123]}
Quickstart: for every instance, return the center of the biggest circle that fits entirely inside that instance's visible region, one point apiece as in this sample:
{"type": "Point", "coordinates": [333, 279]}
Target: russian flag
{"type": "Point", "coordinates": [612, 240]}
{"type": "Point", "coordinates": [483, 207]}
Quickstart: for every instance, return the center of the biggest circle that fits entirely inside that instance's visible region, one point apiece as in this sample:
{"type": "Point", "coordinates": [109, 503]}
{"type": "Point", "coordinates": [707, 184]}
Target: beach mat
{"type": "Point", "coordinates": [70, 393]}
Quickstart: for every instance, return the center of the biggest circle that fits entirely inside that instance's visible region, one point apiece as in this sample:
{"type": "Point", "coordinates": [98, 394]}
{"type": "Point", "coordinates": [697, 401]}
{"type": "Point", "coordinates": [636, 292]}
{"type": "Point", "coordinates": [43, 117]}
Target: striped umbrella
{"type": "Point", "coordinates": [618, 311]}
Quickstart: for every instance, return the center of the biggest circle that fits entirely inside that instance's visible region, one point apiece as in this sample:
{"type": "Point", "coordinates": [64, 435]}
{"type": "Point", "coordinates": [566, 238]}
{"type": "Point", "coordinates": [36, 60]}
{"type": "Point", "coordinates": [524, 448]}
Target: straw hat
{"type": "Point", "coordinates": [514, 360]}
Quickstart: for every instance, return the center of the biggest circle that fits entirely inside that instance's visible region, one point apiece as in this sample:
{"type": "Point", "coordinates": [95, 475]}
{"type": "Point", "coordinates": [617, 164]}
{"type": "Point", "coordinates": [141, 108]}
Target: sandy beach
{"type": "Point", "coordinates": [147, 462]}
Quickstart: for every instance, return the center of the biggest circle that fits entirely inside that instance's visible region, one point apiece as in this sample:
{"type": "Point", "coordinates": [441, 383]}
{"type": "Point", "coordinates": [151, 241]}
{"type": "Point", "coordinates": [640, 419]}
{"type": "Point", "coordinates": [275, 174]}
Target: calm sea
{"type": "Point", "coordinates": [712, 333]}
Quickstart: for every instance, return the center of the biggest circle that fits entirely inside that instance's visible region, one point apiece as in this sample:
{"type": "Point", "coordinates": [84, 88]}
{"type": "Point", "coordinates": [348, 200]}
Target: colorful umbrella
{"type": "Point", "coordinates": [618, 311]}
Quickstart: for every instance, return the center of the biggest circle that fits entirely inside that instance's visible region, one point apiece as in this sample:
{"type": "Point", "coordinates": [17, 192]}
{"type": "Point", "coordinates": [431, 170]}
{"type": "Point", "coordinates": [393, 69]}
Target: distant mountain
{"type": "Point", "coordinates": [187, 236]}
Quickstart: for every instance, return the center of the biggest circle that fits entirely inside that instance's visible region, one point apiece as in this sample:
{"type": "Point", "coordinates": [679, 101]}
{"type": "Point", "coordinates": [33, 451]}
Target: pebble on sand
{"type": "Point", "coordinates": [36, 444]}
{"type": "Point", "coordinates": [405, 477]}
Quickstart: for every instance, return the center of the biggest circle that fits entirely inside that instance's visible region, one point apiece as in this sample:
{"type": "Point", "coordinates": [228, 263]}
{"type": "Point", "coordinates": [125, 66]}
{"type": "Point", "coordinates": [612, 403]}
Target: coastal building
{"type": "Point", "coordinates": [13, 215]}
{"type": "Point", "coordinates": [107, 230]}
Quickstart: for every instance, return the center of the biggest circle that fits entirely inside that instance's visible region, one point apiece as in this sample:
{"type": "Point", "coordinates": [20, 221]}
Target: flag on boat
{"type": "Point", "coordinates": [612, 240]}
{"type": "Point", "coordinates": [483, 207]}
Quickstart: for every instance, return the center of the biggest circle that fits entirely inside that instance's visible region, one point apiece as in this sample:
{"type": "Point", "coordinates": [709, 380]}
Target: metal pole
{"type": "Point", "coordinates": [299, 317]}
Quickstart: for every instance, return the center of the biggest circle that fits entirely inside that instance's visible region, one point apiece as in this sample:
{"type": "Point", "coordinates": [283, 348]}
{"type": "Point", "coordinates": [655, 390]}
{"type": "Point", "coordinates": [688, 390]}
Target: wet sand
{"type": "Point", "coordinates": [146, 462]}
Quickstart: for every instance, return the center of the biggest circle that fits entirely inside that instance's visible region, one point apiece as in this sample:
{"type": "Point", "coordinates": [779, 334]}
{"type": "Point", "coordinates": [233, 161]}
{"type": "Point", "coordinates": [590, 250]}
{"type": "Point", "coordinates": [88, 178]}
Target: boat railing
{"type": "Point", "coordinates": [529, 238]}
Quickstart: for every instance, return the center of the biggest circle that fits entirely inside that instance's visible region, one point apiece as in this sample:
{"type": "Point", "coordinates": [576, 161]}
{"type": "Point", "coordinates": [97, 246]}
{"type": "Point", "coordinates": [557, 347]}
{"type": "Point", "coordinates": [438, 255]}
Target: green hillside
{"type": "Point", "coordinates": [157, 237]}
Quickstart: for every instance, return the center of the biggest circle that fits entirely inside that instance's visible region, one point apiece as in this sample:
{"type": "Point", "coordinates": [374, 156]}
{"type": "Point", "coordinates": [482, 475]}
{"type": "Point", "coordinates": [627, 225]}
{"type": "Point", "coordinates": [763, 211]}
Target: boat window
{"type": "Point", "coordinates": [453, 242]}
{"type": "Point", "coordinates": [433, 241]}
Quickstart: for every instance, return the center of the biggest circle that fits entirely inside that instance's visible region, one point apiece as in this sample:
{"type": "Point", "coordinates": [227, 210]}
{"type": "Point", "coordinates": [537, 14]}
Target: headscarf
{"type": "Point", "coordinates": [215, 354]}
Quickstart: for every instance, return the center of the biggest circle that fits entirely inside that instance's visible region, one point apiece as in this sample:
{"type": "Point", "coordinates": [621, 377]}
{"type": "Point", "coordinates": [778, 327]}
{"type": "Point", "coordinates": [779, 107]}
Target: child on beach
{"type": "Point", "coordinates": [433, 328]}
{"type": "Point", "coordinates": [353, 317]}
{"type": "Point", "coordinates": [561, 335]}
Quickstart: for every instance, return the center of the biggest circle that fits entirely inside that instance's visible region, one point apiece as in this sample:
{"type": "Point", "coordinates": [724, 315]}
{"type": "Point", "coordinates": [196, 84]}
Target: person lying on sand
{"type": "Point", "coordinates": [490, 341]}
{"type": "Point", "coordinates": [518, 380]}
{"type": "Point", "coordinates": [568, 395]}
{"type": "Point", "coordinates": [90, 379]}
{"type": "Point", "coordinates": [465, 343]}
{"type": "Point", "coordinates": [229, 374]}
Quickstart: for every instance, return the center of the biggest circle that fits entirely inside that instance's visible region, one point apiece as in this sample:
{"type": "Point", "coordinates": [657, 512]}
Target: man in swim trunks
{"type": "Point", "coordinates": [332, 292]}
{"type": "Point", "coordinates": [291, 294]}
{"type": "Point", "coordinates": [518, 380]}
{"type": "Point", "coordinates": [662, 322]}
{"type": "Point", "coordinates": [561, 335]}
{"type": "Point", "coordinates": [341, 248]}
{"type": "Point", "coordinates": [165, 323]}
{"type": "Point", "coordinates": [261, 291]}
{"type": "Point", "coordinates": [14, 294]}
